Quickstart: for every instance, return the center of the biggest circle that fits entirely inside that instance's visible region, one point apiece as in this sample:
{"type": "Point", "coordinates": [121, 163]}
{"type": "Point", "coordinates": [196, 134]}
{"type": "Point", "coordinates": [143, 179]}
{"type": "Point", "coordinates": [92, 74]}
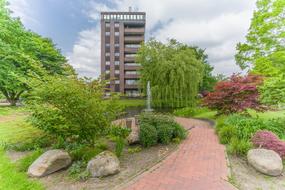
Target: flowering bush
{"type": "Point", "coordinates": [235, 95]}
{"type": "Point", "coordinates": [268, 140]}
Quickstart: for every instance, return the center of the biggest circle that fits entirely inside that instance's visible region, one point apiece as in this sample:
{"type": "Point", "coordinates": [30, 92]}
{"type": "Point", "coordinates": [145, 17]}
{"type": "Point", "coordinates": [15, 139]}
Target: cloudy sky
{"type": "Point", "coordinates": [215, 25]}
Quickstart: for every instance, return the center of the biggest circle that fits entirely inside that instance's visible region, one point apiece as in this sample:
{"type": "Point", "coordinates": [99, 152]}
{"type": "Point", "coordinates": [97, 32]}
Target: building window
{"type": "Point", "coordinates": [117, 33]}
{"type": "Point", "coordinates": [107, 54]}
{"type": "Point", "coordinates": [117, 71]}
{"type": "Point", "coordinates": [108, 45]}
{"type": "Point", "coordinates": [107, 62]}
{"type": "Point", "coordinates": [107, 71]}
{"type": "Point", "coordinates": [117, 25]}
{"type": "Point", "coordinates": [131, 82]}
{"type": "Point", "coordinates": [117, 45]}
{"type": "Point", "coordinates": [117, 81]}
{"type": "Point", "coordinates": [117, 62]}
{"type": "Point", "coordinates": [117, 54]}
{"type": "Point", "coordinates": [107, 24]}
{"type": "Point", "coordinates": [132, 93]}
{"type": "Point", "coordinates": [107, 33]}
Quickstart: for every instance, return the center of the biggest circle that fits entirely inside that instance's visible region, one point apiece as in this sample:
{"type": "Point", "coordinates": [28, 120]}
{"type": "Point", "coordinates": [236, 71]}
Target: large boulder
{"type": "Point", "coordinates": [265, 161]}
{"type": "Point", "coordinates": [49, 162]}
{"type": "Point", "coordinates": [104, 164]}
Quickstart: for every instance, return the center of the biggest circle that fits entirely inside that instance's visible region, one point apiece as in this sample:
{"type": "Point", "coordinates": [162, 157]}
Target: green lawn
{"type": "Point", "coordinates": [268, 114]}
{"type": "Point", "coordinates": [11, 179]}
{"type": "Point", "coordinates": [13, 127]}
{"type": "Point", "coordinates": [132, 102]}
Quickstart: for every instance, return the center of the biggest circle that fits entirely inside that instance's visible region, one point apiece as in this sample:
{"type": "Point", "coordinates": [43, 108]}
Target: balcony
{"type": "Point", "coordinates": [131, 86]}
{"type": "Point", "coordinates": [132, 76]}
{"type": "Point", "coordinates": [134, 31]}
{"type": "Point", "coordinates": [130, 59]}
{"type": "Point", "coordinates": [134, 38]}
{"type": "Point", "coordinates": [131, 50]}
{"type": "Point", "coordinates": [132, 67]}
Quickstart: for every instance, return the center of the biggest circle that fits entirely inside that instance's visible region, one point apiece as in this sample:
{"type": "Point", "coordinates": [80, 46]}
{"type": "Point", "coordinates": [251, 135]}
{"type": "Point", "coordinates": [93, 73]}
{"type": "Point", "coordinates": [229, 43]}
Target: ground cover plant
{"type": "Point", "coordinates": [237, 130]}
{"type": "Point", "coordinates": [158, 128]}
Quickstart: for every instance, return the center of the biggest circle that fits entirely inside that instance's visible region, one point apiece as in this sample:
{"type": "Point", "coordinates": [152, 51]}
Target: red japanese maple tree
{"type": "Point", "coordinates": [235, 95]}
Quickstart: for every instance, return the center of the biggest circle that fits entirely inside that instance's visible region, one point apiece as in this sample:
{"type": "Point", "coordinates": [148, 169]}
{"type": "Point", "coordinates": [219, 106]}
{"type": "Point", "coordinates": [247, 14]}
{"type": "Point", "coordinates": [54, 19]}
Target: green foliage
{"type": "Point", "coordinates": [83, 152]}
{"type": "Point", "coordinates": [78, 171]}
{"type": "Point", "coordinates": [227, 133]}
{"type": "Point", "coordinates": [120, 145]}
{"type": "Point", "coordinates": [164, 133]}
{"type": "Point", "coordinates": [156, 128]}
{"type": "Point", "coordinates": [264, 50]}
{"type": "Point", "coordinates": [35, 143]}
{"type": "Point", "coordinates": [24, 163]}
{"type": "Point", "coordinates": [239, 147]}
{"type": "Point", "coordinates": [190, 111]}
{"type": "Point", "coordinates": [237, 130]}
{"type": "Point", "coordinates": [148, 135]}
{"type": "Point", "coordinates": [265, 35]}
{"type": "Point", "coordinates": [174, 72]}
{"type": "Point", "coordinates": [178, 131]}
{"type": "Point", "coordinates": [118, 131]}
{"type": "Point", "coordinates": [72, 109]}
{"type": "Point", "coordinates": [134, 150]}
{"type": "Point", "coordinates": [24, 55]}
{"type": "Point", "coordinates": [11, 179]}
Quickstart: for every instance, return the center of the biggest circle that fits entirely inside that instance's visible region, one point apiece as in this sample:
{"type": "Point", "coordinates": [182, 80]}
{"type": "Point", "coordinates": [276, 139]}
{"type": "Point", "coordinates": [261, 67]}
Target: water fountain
{"type": "Point", "coordinates": [148, 101]}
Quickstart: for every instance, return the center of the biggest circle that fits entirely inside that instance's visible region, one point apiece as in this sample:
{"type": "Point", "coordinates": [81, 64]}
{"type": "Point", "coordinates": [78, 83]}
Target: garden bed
{"type": "Point", "coordinates": [132, 165]}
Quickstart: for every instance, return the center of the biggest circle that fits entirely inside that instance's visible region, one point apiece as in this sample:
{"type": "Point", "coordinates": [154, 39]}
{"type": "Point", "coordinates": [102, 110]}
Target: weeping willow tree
{"type": "Point", "coordinates": [174, 73]}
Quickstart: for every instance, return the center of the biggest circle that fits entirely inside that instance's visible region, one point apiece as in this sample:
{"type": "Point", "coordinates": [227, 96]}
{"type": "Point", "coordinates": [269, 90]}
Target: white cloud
{"type": "Point", "coordinates": [85, 56]}
{"type": "Point", "coordinates": [22, 9]}
{"type": "Point", "coordinates": [215, 25]}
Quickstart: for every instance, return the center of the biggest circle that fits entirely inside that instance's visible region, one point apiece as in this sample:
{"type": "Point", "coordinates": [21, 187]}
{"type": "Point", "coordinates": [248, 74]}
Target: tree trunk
{"type": "Point", "coordinates": [12, 102]}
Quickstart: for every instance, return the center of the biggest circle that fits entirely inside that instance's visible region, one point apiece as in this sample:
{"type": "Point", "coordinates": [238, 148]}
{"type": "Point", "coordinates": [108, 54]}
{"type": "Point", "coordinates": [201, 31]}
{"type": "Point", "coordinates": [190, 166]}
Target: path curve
{"type": "Point", "coordinates": [198, 164]}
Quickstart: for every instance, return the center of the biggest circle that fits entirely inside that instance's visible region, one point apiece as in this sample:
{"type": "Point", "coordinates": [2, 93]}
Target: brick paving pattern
{"type": "Point", "coordinates": [198, 164]}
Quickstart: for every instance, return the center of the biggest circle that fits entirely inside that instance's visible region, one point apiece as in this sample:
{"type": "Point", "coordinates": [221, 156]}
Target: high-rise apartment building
{"type": "Point", "coordinates": [121, 35]}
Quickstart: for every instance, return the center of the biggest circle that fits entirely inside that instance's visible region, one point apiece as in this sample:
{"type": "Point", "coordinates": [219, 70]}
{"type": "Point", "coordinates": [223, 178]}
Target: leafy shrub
{"type": "Point", "coordinates": [239, 147]}
{"type": "Point", "coordinates": [78, 171]}
{"type": "Point", "coordinates": [71, 108]}
{"type": "Point", "coordinates": [32, 144]}
{"type": "Point", "coordinates": [164, 133]}
{"type": "Point", "coordinates": [24, 163]}
{"type": "Point", "coordinates": [179, 131]}
{"type": "Point", "coordinates": [235, 95]}
{"type": "Point", "coordinates": [164, 126]}
{"type": "Point", "coordinates": [83, 152]}
{"type": "Point", "coordinates": [120, 144]}
{"type": "Point", "coordinates": [189, 111]}
{"type": "Point", "coordinates": [118, 131]}
{"type": "Point", "coordinates": [227, 133]}
{"type": "Point", "coordinates": [148, 135]}
{"type": "Point", "coordinates": [268, 140]}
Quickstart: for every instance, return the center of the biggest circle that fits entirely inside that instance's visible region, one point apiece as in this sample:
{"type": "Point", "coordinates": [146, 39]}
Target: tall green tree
{"type": "Point", "coordinates": [266, 33]}
{"type": "Point", "coordinates": [24, 55]}
{"type": "Point", "coordinates": [173, 70]}
{"type": "Point", "coordinates": [263, 53]}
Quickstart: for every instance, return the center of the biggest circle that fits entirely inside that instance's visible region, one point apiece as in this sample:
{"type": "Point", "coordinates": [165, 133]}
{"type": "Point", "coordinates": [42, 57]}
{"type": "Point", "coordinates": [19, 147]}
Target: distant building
{"type": "Point", "coordinates": [121, 36]}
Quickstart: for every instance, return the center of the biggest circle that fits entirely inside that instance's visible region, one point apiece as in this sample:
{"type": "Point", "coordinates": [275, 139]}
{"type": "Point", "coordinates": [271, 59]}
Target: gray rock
{"type": "Point", "coordinates": [265, 161]}
{"type": "Point", "coordinates": [104, 164]}
{"type": "Point", "coordinates": [133, 137]}
{"type": "Point", "coordinates": [49, 162]}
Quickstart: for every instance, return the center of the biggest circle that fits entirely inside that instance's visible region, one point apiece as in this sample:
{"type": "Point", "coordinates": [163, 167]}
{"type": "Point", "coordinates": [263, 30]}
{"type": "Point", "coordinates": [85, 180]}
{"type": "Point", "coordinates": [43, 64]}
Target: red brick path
{"type": "Point", "coordinates": [198, 164]}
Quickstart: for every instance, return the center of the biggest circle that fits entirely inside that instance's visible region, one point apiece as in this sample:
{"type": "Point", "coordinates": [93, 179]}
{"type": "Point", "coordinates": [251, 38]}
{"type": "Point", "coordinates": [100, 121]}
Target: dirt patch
{"type": "Point", "coordinates": [131, 166]}
{"type": "Point", "coordinates": [14, 156]}
{"type": "Point", "coordinates": [247, 178]}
